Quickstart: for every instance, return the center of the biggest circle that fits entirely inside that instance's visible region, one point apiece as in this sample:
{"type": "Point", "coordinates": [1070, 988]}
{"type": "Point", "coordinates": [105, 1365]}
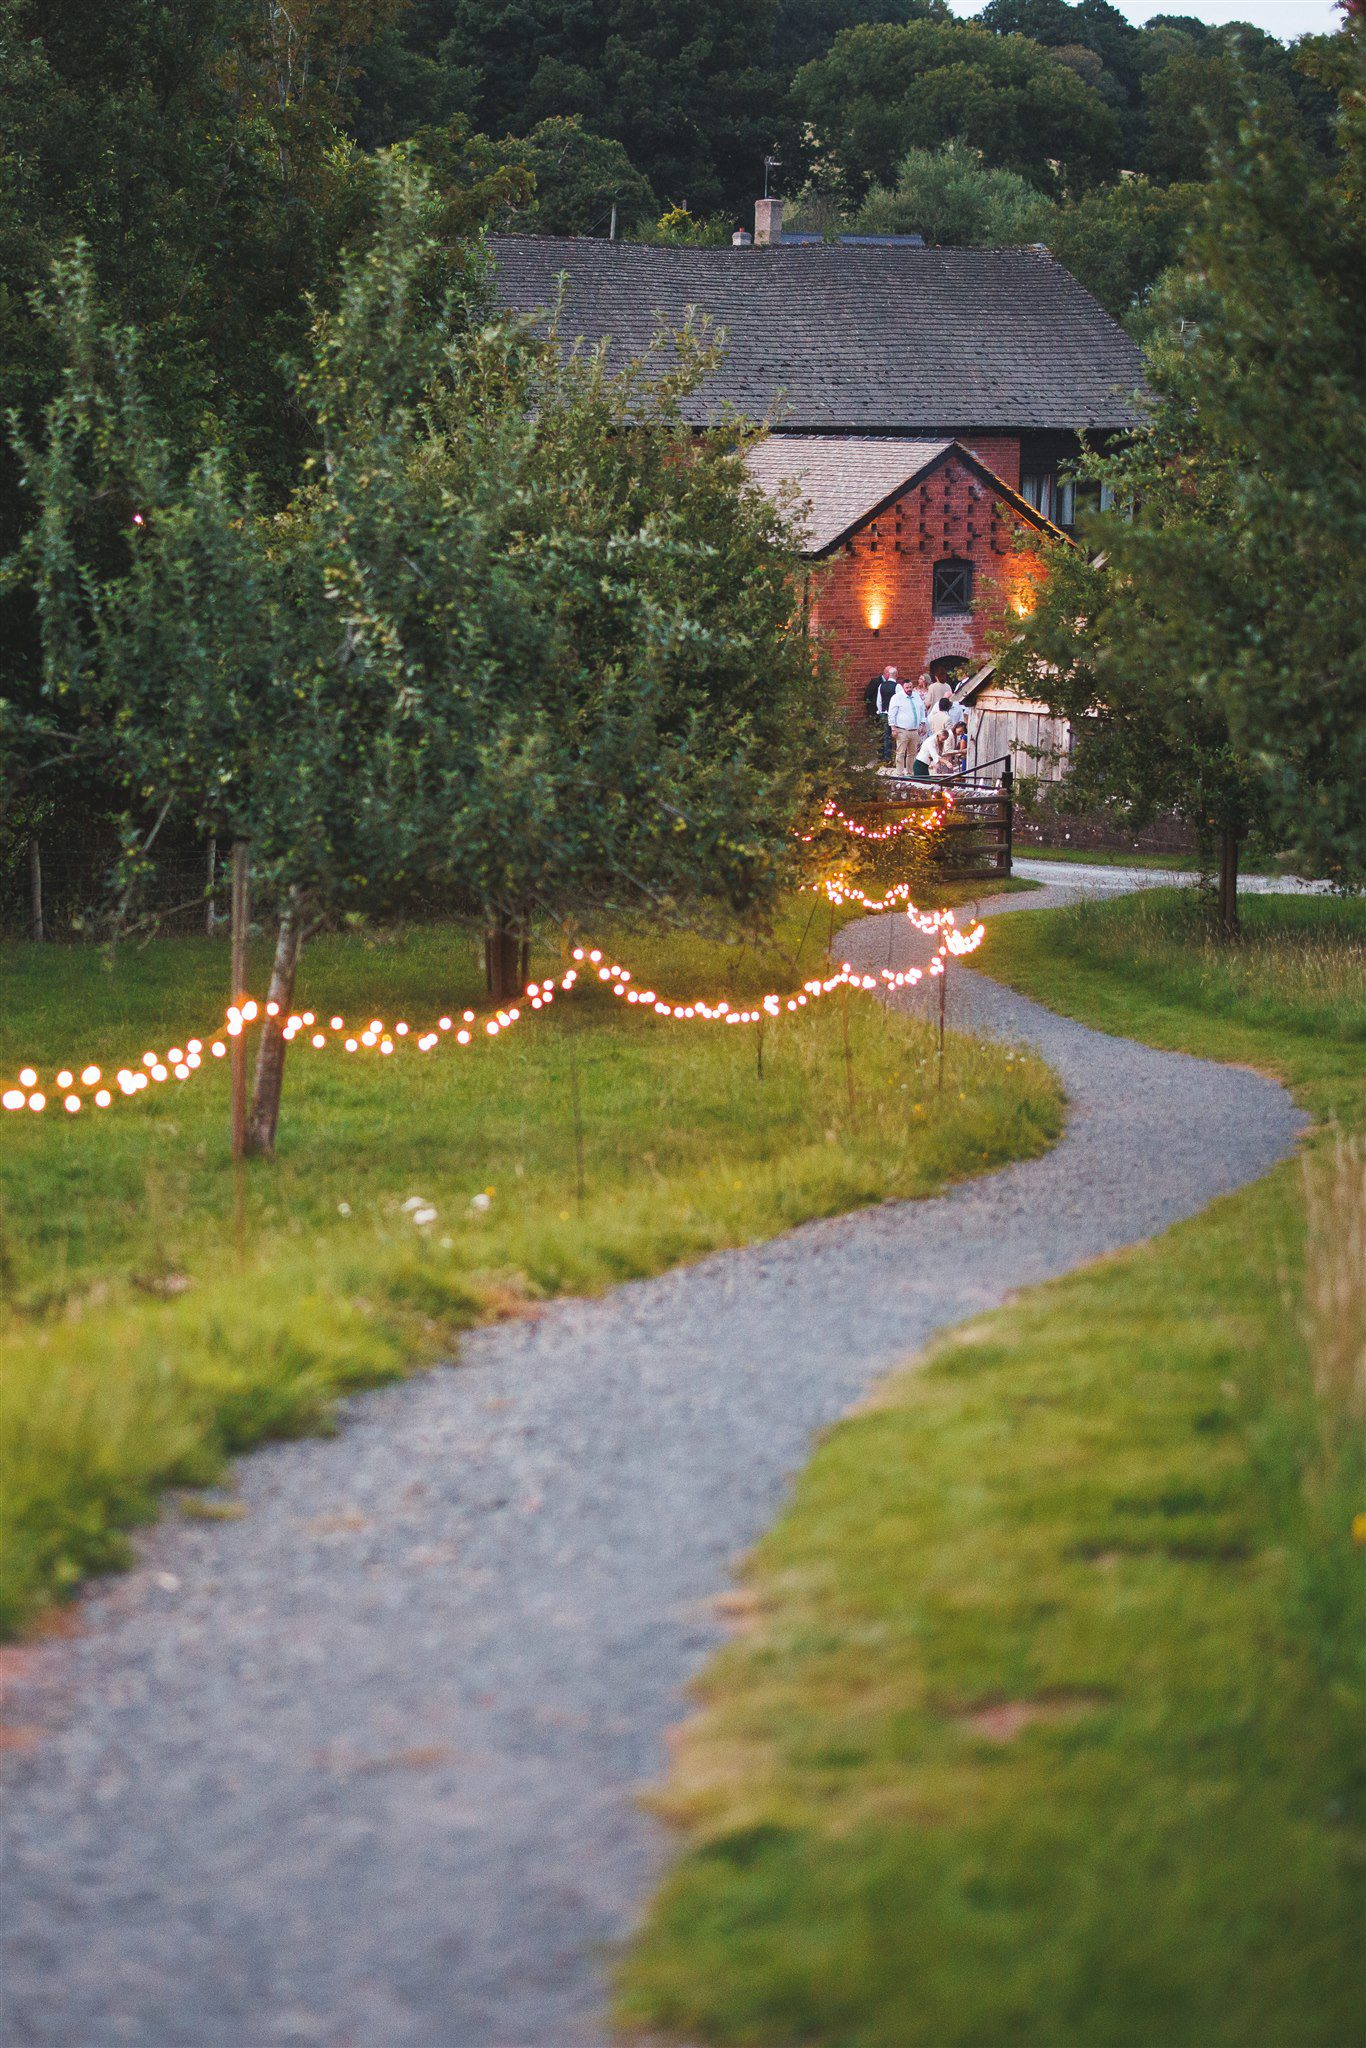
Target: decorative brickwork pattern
{"type": "Point", "coordinates": [872, 602]}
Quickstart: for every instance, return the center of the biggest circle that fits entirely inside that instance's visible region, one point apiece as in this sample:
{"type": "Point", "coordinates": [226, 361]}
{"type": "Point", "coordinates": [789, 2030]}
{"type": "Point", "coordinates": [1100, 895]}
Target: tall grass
{"type": "Point", "coordinates": [1300, 963]}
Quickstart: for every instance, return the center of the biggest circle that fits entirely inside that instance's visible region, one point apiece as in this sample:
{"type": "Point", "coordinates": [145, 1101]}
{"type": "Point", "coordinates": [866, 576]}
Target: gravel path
{"type": "Point", "coordinates": [357, 1769]}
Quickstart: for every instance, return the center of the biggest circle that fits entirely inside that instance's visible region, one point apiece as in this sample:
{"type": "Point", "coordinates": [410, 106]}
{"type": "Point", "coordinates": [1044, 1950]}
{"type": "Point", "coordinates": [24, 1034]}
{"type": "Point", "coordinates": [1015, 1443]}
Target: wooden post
{"type": "Point", "coordinates": [580, 1183]}
{"type": "Point", "coordinates": [848, 1055]}
{"type": "Point", "coordinates": [943, 979]}
{"type": "Point", "coordinates": [35, 883]}
{"type": "Point", "coordinates": [241, 919]}
{"type": "Point", "coordinates": [213, 877]}
{"type": "Point", "coordinates": [1008, 785]}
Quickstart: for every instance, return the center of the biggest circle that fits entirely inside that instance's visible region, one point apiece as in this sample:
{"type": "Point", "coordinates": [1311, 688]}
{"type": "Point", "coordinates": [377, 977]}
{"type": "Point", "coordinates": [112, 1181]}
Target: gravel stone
{"type": "Point", "coordinates": [358, 1769]}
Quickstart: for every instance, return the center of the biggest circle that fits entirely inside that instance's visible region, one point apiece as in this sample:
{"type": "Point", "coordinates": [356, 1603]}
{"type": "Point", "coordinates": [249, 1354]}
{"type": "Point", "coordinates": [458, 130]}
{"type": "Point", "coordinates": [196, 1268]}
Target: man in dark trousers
{"type": "Point", "coordinates": [877, 696]}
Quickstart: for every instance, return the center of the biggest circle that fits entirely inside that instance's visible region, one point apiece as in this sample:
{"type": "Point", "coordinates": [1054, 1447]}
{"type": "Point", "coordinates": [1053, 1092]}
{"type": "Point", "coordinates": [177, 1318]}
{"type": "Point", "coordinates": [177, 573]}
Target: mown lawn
{"type": "Point", "coordinates": [159, 1311]}
{"type": "Point", "coordinates": [1047, 1729]}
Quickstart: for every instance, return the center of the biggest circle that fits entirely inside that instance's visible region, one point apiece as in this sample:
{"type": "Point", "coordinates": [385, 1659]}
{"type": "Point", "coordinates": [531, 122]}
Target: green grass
{"type": "Point", "coordinates": [1046, 1725]}
{"type": "Point", "coordinates": [159, 1312]}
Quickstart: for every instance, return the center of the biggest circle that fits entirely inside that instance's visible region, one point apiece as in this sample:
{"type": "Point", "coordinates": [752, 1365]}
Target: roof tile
{"type": "Point", "coordinates": [834, 339]}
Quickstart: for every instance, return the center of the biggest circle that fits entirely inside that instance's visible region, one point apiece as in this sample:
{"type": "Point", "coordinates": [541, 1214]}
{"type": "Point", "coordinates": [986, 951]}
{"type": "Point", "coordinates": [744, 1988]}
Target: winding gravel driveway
{"type": "Point", "coordinates": [357, 1769]}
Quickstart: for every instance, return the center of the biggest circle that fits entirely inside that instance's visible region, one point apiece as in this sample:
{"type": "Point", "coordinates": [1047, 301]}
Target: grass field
{"type": "Point", "coordinates": [159, 1311]}
{"type": "Point", "coordinates": [1120, 857]}
{"type": "Point", "coordinates": [1046, 1726]}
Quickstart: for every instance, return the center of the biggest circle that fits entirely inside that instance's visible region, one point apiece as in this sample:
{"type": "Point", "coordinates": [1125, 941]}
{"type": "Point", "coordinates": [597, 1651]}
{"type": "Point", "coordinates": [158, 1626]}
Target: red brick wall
{"type": "Point", "coordinates": [884, 576]}
{"type": "Point", "coordinates": [1000, 452]}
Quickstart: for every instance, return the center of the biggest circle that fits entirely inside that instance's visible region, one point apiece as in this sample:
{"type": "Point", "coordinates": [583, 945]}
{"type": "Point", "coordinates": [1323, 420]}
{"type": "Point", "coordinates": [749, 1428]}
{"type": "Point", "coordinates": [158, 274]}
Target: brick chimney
{"type": "Point", "coordinates": [768, 222]}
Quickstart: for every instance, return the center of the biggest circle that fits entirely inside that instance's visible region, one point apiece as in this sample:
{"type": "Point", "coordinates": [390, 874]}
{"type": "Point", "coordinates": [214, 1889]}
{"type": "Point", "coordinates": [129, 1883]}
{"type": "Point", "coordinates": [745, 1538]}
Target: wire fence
{"type": "Point", "coordinates": [67, 890]}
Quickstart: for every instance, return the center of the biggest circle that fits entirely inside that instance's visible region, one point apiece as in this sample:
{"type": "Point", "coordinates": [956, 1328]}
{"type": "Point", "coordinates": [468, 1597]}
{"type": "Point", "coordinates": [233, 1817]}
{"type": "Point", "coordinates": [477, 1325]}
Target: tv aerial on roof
{"type": "Point", "coordinates": [771, 163]}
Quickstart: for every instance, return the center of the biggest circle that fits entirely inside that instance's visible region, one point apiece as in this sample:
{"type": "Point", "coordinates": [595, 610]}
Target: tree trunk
{"type": "Point", "coordinates": [37, 928]}
{"type": "Point", "coordinates": [1228, 884]}
{"type": "Point", "coordinates": [270, 1058]}
{"type": "Point", "coordinates": [502, 958]}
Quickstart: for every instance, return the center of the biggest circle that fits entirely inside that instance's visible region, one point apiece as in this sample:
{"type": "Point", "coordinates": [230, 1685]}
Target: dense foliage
{"type": "Point", "coordinates": [220, 162]}
{"type": "Point", "coordinates": [490, 654]}
{"type": "Point", "coordinates": [1216, 653]}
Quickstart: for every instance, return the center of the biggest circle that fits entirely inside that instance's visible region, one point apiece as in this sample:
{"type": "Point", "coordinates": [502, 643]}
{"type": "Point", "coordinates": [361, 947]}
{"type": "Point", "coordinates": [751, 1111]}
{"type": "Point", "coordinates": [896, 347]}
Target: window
{"type": "Point", "coordinates": [952, 587]}
{"type": "Point", "coordinates": [1036, 488]}
{"type": "Point", "coordinates": [1067, 506]}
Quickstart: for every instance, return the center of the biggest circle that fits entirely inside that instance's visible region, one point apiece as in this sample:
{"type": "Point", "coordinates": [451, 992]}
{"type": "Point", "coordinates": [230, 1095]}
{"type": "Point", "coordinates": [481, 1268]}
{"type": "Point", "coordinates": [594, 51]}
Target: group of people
{"type": "Point", "coordinates": [923, 733]}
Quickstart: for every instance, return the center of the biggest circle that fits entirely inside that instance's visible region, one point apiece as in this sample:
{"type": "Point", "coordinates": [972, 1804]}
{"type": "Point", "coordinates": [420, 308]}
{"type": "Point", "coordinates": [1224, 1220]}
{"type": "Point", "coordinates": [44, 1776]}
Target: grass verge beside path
{"type": "Point", "coordinates": [1046, 1729]}
{"type": "Point", "coordinates": [1118, 857]}
{"type": "Point", "coordinates": [149, 1327]}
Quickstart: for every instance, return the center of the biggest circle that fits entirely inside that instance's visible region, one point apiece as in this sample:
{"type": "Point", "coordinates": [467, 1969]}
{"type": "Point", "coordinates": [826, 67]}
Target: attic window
{"type": "Point", "coordinates": [952, 588]}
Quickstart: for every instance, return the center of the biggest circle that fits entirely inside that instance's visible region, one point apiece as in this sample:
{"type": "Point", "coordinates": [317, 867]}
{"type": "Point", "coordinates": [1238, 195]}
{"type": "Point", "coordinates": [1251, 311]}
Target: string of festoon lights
{"type": "Point", "coordinates": [74, 1088]}
{"type": "Point", "coordinates": [923, 821]}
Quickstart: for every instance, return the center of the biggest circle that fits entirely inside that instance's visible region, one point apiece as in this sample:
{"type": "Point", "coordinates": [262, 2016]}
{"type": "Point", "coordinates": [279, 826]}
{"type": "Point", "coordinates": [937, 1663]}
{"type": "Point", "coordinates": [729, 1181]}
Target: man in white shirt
{"type": "Point", "coordinates": [906, 716]}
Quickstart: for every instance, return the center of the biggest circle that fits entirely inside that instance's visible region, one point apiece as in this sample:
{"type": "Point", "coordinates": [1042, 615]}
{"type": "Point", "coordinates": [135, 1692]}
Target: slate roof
{"type": "Point", "coordinates": [830, 339]}
{"type": "Point", "coordinates": [842, 479]}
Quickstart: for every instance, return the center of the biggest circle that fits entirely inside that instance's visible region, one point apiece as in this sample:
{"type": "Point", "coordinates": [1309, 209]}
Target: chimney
{"type": "Point", "coordinates": [768, 222]}
{"type": "Point", "coordinates": [741, 239]}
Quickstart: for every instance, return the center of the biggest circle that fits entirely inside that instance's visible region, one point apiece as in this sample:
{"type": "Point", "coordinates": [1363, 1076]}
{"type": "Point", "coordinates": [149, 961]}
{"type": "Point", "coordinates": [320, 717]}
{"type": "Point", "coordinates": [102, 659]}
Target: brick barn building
{"type": "Point", "coordinates": [923, 404]}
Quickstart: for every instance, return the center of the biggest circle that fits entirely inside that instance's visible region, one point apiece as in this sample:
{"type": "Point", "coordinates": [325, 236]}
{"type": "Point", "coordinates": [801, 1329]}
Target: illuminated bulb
{"type": "Point", "coordinates": [443, 1023]}
{"type": "Point", "coordinates": [182, 1072]}
{"type": "Point", "coordinates": [402, 1030]}
{"type": "Point", "coordinates": [272, 1010]}
{"type": "Point", "coordinates": [377, 1025]}
{"type": "Point", "coordinates": [13, 1098]}
{"type": "Point", "coordinates": [90, 1075]}
{"type": "Point", "coordinates": [469, 1016]}
{"type": "Point", "coordinates": [250, 1011]}
{"type": "Point", "coordinates": [218, 1048]}
{"type": "Point", "coordinates": [309, 1019]}
{"type": "Point", "coordinates": [196, 1045]}
{"type": "Point", "coordinates": [175, 1055]}
{"type": "Point", "coordinates": [159, 1073]}
{"type": "Point", "coordinates": [578, 952]}
{"type": "Point", "coordinates": [72, 1104]}
{"type": "Point", "coordinates": [65, 1078]}
{"type": "Point", "coordinates": [350, 1045]}
{"type": "Point", "coordinates": [318, 1038]}
{"type": "Point", "coordinates": [149, 1059]}
{"type": "Point", "coordinates": [462, 1037]}
{"type": "Point", "coordinates": [492, 1028]}
{"type": "Point", "coordinates": [367, 1038]}
{"type": "Point", "coordinates": [594, 956]}
{"type": "Point", "coordinates": [194, 1062]}
{"type": "Point", "coordinates": [336, 1023]}
{"type": "Point", "coordinates": [37, 1101]}
{"type": "Point", "coordinates": [387, 1047]}
{"type": "Point", "coordinates": [102, 1098]}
